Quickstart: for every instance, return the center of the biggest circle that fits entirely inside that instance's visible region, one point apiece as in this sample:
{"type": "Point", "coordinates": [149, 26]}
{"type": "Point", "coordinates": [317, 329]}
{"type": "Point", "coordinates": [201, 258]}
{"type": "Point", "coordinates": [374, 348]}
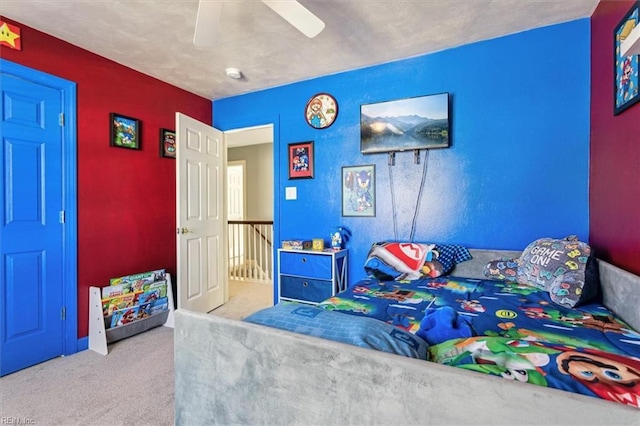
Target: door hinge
{"type": "Point", "coordinates": [61, 119]}
{"type": "Point", "coordinates": [63, 313]}
{"type": "Point", "coordinates": [62, 216]}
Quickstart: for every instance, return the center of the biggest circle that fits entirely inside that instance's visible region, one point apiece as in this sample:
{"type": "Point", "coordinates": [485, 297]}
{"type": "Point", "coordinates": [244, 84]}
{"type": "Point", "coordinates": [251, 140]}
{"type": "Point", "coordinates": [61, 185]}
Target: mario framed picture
{"type": "Point", "coordinates": [359, 191]}
{"type": "Point", "coordinates": [301, 160]}
{"type": "Point", "coordinates": [625, 86]}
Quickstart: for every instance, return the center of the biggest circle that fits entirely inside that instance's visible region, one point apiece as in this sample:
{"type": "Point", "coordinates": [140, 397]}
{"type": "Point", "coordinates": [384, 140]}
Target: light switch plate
{"type": "Point", "coordinates": [290, 193]}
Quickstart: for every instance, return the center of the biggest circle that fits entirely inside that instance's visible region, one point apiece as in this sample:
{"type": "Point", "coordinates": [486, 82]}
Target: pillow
{"type": "Point", "coordinates": [354, 330]}
{"type": "Point", "coordinates": [410, 261]}
{"type": "Point", "coordinates": [503, 269]}
{"type": "Point", "coordinates": [565, 268]}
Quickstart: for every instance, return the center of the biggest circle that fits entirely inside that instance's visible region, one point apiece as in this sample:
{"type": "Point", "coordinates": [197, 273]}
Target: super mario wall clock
{"type": "Point", "coordinates": [321, 111]}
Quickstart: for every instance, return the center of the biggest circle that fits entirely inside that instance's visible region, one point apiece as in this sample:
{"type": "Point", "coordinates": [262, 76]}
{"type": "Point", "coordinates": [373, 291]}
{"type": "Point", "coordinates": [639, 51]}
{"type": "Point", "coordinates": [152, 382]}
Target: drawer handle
{"type": "Point", "coordinates": [305, 284]}
{"type": "Point", "coordinates": [304, 259]}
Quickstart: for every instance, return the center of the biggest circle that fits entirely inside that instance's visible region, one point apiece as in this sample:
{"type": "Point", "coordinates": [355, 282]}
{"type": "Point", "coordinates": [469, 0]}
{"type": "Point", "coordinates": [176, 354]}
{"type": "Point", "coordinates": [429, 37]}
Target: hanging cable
{"type": "Point", "coordinates": [415, 214]}
{"type": "Point", "coordinates": [393, 203]}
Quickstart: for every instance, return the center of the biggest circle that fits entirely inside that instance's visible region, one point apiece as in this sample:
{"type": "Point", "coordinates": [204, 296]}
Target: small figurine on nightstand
{"type": "Point", "coordinates": [340, 237]}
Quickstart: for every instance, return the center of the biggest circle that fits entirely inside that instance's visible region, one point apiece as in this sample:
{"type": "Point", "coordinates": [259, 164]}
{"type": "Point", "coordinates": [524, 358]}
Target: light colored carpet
{"type": "Point", "coordinates": [245, 298]}
{"type": "Point", "coordinates": [132, 385]}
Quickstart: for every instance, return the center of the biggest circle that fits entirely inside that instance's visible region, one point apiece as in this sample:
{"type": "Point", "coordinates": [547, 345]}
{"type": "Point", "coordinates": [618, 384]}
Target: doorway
{"type": "Point", "coordinates": [250, 185]}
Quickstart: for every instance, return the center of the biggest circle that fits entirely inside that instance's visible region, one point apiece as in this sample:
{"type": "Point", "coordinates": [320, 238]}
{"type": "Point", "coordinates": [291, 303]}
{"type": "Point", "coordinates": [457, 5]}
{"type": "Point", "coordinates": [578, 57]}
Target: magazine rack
{"type": "Point", "coordinates": [100, 336]}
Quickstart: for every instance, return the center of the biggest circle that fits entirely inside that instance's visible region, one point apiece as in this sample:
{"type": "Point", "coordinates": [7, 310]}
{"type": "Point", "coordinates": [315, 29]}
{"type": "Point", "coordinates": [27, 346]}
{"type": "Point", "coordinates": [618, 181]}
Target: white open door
{"type": "Point", "coordinates": [201, 158]}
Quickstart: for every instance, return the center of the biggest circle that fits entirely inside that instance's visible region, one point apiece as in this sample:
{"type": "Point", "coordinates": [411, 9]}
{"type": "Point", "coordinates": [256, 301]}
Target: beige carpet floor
{"type": "Point", "coordinates": [132, 385]}
{"type": "Point", "coordinates": [245, 298]}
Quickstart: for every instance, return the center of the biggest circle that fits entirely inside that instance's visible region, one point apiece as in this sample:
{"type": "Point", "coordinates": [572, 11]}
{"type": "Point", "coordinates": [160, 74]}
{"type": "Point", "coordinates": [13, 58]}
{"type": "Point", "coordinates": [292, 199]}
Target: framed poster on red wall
{"type": "Point", "coordinates": [625, 85]}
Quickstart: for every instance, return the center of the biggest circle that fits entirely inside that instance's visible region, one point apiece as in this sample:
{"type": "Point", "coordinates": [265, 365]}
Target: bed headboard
{"type": "Point", "coordinates": [620, 289]}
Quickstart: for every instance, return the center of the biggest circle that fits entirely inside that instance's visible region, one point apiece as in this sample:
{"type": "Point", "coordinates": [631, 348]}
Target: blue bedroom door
{"type": "Point", "coordinates": [33, 225]}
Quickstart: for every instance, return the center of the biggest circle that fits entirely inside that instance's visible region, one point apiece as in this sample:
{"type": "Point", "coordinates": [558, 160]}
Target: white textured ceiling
{"type": "Point", "coordinates": [155, 37]}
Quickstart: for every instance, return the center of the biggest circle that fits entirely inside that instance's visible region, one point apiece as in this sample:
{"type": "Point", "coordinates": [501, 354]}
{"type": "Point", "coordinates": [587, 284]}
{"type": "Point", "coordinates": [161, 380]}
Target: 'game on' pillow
{"type": "Point", "coordinates": [565, 268]}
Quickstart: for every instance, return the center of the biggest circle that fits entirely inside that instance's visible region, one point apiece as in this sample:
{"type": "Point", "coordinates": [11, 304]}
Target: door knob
{"type": "Point", "coordinates": [184, 230]}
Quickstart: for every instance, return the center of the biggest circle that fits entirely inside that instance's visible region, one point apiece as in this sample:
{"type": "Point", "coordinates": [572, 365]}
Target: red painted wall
{"type": "Point", "coordinates": [126, 198]}
{"type": "Point", "coordinates": [614, 198]}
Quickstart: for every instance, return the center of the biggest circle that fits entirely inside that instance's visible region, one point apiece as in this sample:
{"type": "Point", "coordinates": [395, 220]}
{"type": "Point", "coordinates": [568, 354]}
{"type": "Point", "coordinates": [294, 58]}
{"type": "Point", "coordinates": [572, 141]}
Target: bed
{"type": "Point", "coordinates": [232, 372]}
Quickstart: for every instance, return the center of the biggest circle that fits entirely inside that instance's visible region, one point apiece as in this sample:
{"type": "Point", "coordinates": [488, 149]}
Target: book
{"type": "Point", "coordinates": [116, 290]}
{"type": "Point", "coordinates": [110, 304]}
{"type": "Point", "coordinates": [159, 305]}
{"type": "Point", "coordinates": [137, 281]}
{"type": "Point", "coordinates": [124, 316]}
{"type": "Point", "coordinates": [161, 286]}
{"type": "Point", "coordinates": [149, 296]}
{"type": "Point", "coordinates": [144, 310]}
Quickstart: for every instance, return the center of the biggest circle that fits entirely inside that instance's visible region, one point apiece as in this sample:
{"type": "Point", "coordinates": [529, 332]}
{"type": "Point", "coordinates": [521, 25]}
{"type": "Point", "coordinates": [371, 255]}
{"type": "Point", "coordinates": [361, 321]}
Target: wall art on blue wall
{"type": "Point", "coordinates": [301, 160]}
{"type": "Point", "coordinates": [405, 124]}
{"type": "Point", "coordinates": [321, 111]}
{"type": "Point", "coordinates": [625, 72]}
{"type": "Point", "coordinates": [359, 190]}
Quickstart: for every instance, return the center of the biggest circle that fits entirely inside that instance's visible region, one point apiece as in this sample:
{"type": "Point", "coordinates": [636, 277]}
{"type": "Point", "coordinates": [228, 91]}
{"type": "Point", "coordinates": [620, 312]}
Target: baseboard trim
{"type": "Point", "coordinates": [83, 343]}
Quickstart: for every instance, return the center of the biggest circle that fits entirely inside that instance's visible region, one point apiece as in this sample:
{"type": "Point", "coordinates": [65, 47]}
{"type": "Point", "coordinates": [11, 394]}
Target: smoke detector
{"type": "Point", "coordinates": [234, 73]}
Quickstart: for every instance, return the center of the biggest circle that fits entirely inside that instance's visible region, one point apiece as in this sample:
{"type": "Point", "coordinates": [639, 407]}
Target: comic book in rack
{"type": "Point", "coordinates": [159, 305]}
{"type": "Point", "coordinates": [149, 296]}
{"type": "Point", "coordinates": [116, 290]}
{"type": "Point", "coordinates": [144, 310]}
{"type": "Point", "coordinates": [124, 316]}
{"type": "Point", "coordinates": [138, 281]}
{"type": "Point", "coordinates": [161, 286]}
{"type": "Point", "coordinates": [110, 304]}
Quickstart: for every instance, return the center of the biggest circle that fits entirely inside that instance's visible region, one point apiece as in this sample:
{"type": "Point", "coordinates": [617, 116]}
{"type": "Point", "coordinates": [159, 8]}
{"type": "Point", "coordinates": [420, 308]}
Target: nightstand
{"type": "Point", "coordinates": [311, 276]}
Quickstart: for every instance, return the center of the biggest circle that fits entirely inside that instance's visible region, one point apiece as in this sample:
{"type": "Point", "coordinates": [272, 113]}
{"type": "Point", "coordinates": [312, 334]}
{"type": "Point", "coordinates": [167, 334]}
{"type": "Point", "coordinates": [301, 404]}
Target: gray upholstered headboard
{"type": "Point", "coordinates": [620, 289]}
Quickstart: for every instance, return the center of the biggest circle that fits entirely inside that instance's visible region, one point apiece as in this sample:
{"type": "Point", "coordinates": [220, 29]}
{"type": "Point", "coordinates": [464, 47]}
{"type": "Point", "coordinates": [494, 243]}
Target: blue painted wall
{"type": "Point", "coordinates": [517, 169]}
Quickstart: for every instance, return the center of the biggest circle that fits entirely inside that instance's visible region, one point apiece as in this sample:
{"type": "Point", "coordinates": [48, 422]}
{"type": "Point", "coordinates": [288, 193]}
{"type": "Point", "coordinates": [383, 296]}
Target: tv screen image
{"type": "Point", "coordinates": [405, 124]}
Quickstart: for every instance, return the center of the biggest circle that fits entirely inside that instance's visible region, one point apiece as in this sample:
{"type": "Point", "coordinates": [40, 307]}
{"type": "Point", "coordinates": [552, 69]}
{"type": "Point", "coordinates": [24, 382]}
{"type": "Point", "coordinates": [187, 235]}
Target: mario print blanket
{"type": "Point", "coordinates": [509, 330]}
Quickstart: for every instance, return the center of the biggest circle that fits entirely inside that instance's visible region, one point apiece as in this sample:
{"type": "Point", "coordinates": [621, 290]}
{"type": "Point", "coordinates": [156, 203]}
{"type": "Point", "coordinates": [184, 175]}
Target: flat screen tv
{"type": "Point", "coordinates": [405, 124]}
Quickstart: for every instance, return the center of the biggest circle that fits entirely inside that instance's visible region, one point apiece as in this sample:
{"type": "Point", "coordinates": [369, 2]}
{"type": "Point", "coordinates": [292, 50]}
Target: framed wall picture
{"type": "Point", "coordinates": [301, 160]}
{"type": "Point", "coordinates": [625, 85]}
{"type": "Point", "coordinates": [125, 131]}
{"type": "Point", "coordinates": [167, 143]}
{"type": "Point", "coordinates": [359, 190]}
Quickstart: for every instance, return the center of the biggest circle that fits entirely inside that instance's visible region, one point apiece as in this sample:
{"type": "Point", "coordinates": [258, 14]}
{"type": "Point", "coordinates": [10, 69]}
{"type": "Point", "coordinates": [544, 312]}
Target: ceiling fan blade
{"type": "Point", "coordinates": [297, 15]}
{"type": "Point", "coordinates": [207, 23]}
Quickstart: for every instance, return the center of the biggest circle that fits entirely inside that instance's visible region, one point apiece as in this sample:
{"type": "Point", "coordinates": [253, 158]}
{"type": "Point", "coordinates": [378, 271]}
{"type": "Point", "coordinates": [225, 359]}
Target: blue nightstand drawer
{"type": "Point", "coordinates": [306, 264]}
{"type": "Point", "coordinates": [305, 288]}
